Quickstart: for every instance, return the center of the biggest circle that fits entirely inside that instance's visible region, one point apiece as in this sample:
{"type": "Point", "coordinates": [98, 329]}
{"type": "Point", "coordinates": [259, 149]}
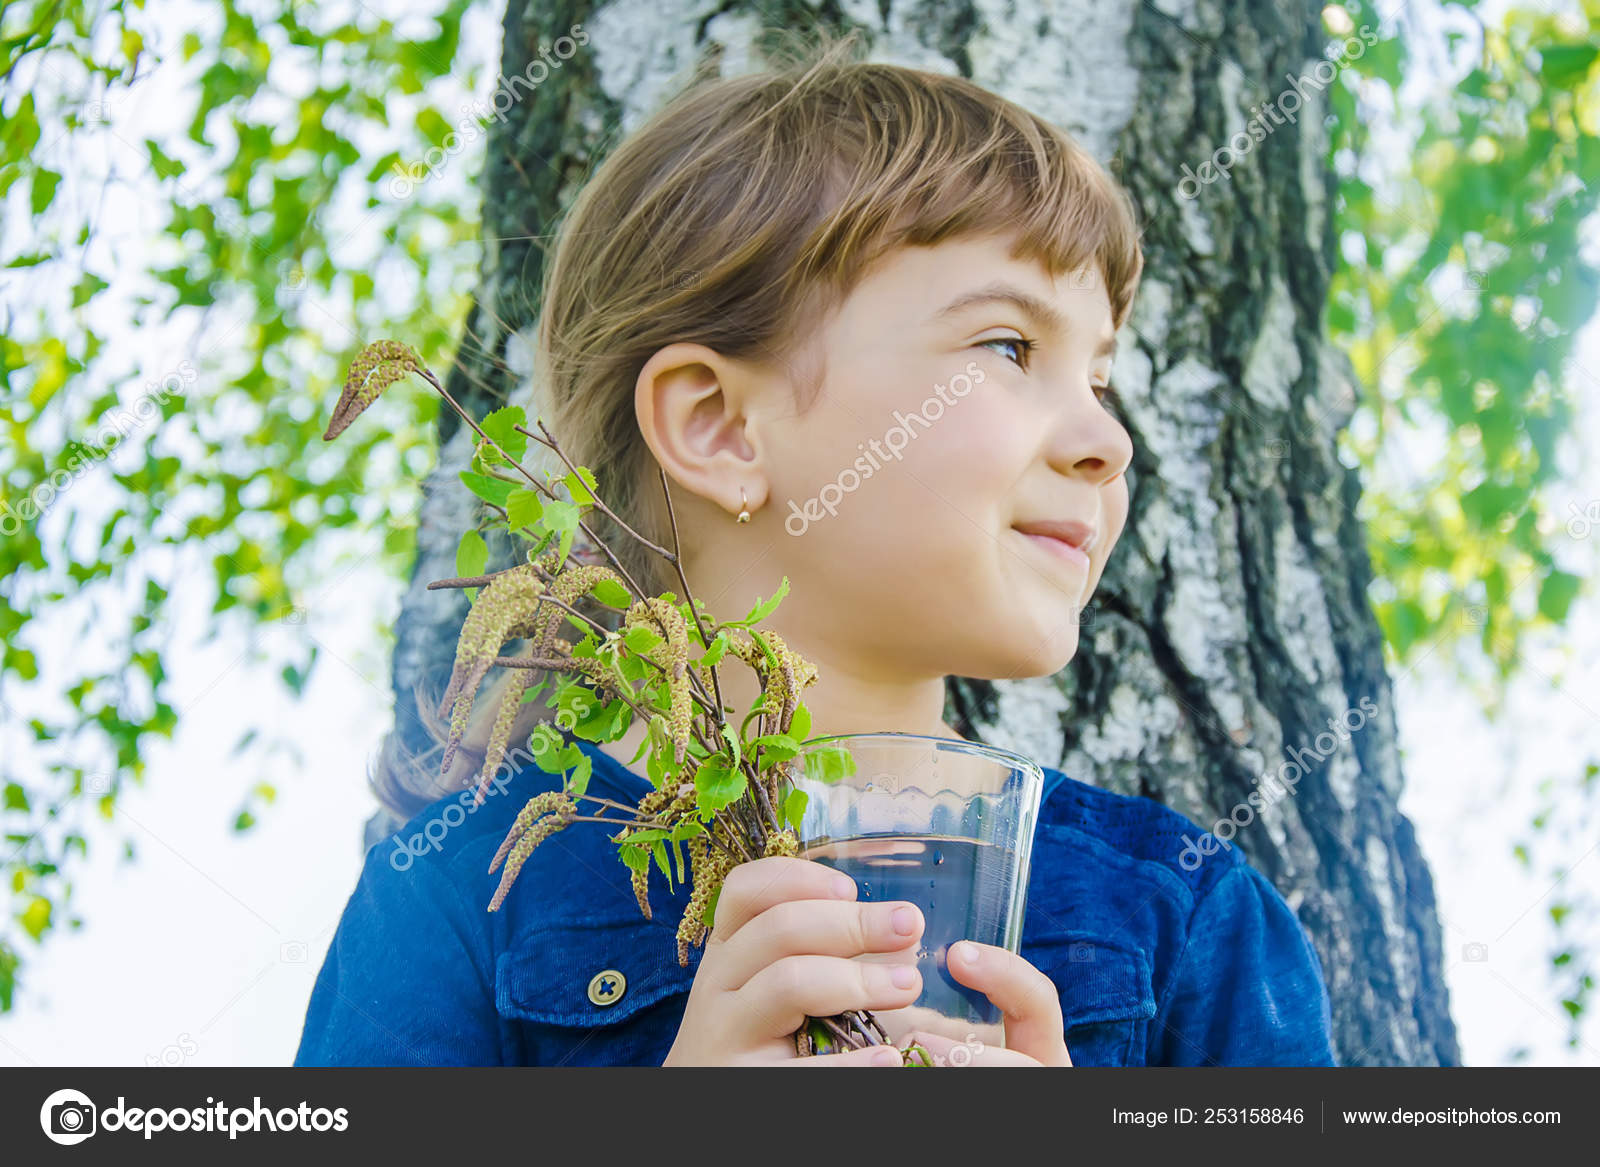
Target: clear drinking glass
{"type": "Point", "coordinates": [943, 823]}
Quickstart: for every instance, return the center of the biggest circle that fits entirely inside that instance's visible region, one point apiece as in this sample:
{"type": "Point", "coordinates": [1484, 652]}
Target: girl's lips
{"type": "Point", "coordinates": [1059, 548]}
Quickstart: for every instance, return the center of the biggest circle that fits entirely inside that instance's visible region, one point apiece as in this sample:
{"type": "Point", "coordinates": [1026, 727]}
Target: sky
{"type": "Point", "coordinates": [203, 950]}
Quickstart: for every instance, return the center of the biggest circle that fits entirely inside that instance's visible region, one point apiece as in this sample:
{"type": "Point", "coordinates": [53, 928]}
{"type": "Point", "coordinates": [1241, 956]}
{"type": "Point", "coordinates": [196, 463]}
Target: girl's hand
{"type": "Point", "coordinates": [785, 930]}
{"type": "Point", "coordinates": [1026, 997]}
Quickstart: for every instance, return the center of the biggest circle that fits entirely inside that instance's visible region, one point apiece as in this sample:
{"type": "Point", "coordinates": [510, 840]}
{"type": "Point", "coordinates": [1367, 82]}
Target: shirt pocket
{"type": "Point", "coordinates": [1106, 996]}
{"type": "Point", "coordinates": [542, 988]}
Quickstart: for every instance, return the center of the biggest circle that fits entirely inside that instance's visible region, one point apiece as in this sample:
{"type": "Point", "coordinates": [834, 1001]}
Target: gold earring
{"type": "Point", "coordinates": [744, 508]}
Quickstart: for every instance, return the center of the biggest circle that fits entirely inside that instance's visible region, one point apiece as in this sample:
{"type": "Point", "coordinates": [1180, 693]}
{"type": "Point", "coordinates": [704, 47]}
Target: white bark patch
{"type": "Point", "coordinates": [1301, 611]}
{"type": "Point", "coordinates": [1205, 622]}
{"type": "Point", "coordinates": [1335, 401]}
{"type": "Point", "coordinates": [1344, 777]}
{"type": "Point", "coordinates": [1029, 719]}
{"type": "Point", "coordinates": [644, 52]}
{"type": "Point", "coordinates": [1274, 361]}
{"type": "Point", "coordinates": [1141, 721]}
{"type": "Point", "coordinates": [1150, 320]}
{"type": "Point", "coordinates": [898, 40]}
{"type": "Point", "coordinates": [1181, 11]}
{"type": "Point", "coordinates": [736, 32]}
{"type": "Point", "coordinates": [1086, 86]}
{"type": "Point", "coordinates": [1382, 881]}
{"type": "Point", "coordinates": [1196, 224]}
{"type": "Point", "coordinates": [1313, 140]}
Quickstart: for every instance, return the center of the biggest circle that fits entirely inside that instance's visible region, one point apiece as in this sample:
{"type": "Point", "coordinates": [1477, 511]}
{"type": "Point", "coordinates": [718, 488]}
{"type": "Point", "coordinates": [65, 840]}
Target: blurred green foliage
{"type": "Point", "coordinates": [260, 206]}
{"type": "Point", "coordinates": [1459, 297]}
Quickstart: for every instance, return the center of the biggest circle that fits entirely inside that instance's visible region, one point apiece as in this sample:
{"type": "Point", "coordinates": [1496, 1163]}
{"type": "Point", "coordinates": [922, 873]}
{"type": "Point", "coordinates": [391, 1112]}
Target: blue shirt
{"type": "Point", "coordinates": [1162, 956]}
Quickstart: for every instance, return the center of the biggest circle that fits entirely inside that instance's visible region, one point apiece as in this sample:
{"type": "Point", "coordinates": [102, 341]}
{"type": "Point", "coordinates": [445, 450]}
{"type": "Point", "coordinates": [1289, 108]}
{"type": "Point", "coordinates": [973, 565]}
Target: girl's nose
{"type": "Point", "coordinates": [1089, 442]}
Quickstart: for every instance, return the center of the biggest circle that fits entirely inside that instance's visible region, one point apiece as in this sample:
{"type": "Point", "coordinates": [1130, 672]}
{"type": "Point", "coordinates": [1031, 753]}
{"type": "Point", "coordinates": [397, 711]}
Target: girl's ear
{"type": "Point", "coordinates": [692, 407]}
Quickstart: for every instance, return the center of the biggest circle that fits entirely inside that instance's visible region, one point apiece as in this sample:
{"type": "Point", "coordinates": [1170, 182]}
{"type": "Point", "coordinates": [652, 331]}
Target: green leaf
{"type": "Point", "coordinates": [642, 639]}
{"type": "Point", "coordinates": [472, 554]}
{"type": "Point", "coordinates": [729, 736]}
{"type": "Point", "coordinates": [715, 653]}
{"type": "Point", "coordinates": [709, 916]}
{"type": "Point", "coordinates": [716, 785]}
{"type": "Point", "coordinates": [646, 835]}
{"type": "Point", "coordinates": [495, 490]}
{"type": "Point", "coordinates": [1556, 593]}
{"type": "Point", "coordinates": [800, 723]}
{"type": "Point", "coordinates": [581, 486]}
{"type": "Point", "coordinates": [687, 829]}
{"type": "Point", "coordinates": [578, 783]}
{"type": "Point", "coordinates": [794, 807]}
{"type": "Point", "coordinates": [44, 189]}
{"type": "Point", "coordinates": [500, 426]}
{"type": "Point", "coordinates": [659, 851]}
{"type": "Point", "coordinates": [523, 506]}
{"type": "Point", "coordinates": [87, 288]}
{"type": "Point", "coordinates": [637, 858]}
{"type": "Point", "coordinates": [764, 608]}
{"type": "Point", "coordinates": [35, 917]}
{"type": "Point", "coordinates": [829, 763]}
{"type": "Point", "coordinates": [775, 748]}
{"type": "Point", "coordinates": [1566, 66]}
{"type": "Point", "coordinates": [612, 594]}
{"type": "Point", "coordinates": [165, 166]}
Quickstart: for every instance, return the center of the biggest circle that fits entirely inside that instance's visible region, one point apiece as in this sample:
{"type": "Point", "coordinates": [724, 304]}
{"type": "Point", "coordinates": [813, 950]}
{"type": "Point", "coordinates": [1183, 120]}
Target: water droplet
{"type": "Point", "coordinates": [933, 883]}
{"type": "Point", "coordinates": [938, 857]}
{"type": "Point", "coordinates": [872, 786]}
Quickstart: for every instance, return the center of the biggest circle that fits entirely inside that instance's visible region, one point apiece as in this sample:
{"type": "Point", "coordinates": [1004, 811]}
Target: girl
{"type": "Point", "coordinates": [864, 318]}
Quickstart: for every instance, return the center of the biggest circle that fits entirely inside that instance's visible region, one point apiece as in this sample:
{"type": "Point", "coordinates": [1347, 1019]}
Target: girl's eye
{"type": "Point", "coordinates": [1026, 346]}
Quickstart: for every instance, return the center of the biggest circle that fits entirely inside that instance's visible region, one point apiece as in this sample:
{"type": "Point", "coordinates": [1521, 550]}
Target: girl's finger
{"type": "Point", "coordinates": [872, 1055]}
{"type": "Point", "coordinates": [751, 888]}
{"type": "Point", "coordinates": [776, 1001]}
{"type": "Point", "coordinates": [1028, 998]}
{"type": "Point", "coordinates": [947, 1052]}
{"type": "Point", "coordinates": [797, 927]}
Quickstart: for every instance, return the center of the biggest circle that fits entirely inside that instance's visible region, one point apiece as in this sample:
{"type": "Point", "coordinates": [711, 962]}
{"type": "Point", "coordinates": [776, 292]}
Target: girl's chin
{"type": "Point", "coordinates": [1043, 657]}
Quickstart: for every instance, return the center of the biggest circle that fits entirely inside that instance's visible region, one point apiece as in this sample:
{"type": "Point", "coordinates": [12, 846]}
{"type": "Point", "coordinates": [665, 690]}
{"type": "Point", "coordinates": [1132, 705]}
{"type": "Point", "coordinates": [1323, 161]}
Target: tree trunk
{"type": "Point", "coordinates": [1232, 622]}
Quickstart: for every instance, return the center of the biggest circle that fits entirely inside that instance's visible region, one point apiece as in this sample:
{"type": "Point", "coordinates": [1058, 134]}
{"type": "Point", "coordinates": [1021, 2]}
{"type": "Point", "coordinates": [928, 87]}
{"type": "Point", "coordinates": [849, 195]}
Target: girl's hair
{"type": "Point", "coordinates": [737, 217]}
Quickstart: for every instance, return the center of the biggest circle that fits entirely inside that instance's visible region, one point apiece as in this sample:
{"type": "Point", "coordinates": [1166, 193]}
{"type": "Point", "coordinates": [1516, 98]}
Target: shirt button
{"type": "Point", "coordinates": [607, 987]}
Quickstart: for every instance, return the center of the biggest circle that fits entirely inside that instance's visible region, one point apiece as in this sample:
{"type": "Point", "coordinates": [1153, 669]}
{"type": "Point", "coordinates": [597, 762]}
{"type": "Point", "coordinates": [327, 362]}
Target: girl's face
{"type": "Point", "coordinates": [961, 402]}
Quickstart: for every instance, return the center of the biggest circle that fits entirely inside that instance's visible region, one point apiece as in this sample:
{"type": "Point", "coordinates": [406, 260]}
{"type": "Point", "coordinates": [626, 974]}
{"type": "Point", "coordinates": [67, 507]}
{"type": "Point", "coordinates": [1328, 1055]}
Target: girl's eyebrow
{"type": "Point", "coordinates": [1041, 313]}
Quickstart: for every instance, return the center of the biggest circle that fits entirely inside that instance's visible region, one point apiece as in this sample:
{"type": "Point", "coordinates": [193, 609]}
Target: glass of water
{"type": "Point", "coordinates": [942, 823]}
